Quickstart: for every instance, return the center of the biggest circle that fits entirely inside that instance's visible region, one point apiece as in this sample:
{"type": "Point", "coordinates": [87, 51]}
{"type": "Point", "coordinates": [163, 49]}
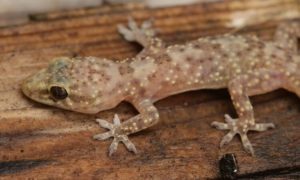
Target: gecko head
{"type": "Point", "coordinates": [77, 84]}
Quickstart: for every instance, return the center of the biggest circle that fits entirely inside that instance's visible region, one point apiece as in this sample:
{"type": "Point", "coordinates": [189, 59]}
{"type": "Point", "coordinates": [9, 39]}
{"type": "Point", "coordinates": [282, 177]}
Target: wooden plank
{"type": "Point", "coordinates": [39, 142]}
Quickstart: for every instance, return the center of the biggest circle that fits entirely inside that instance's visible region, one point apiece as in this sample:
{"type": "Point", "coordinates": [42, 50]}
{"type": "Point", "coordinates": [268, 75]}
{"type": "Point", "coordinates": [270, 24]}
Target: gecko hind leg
{"type": "Point", "coordinates": [112, 133]}
{"type": "Point", "coordinates": [231, 125]}
{"type": "Point", "coordinates": [142, 35]}
{"type": "Point", "coordinates": [240, 88]}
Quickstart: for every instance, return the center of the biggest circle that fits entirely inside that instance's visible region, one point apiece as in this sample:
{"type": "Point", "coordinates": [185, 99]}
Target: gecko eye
{"type": "Point", "coordinates": [58, 93]}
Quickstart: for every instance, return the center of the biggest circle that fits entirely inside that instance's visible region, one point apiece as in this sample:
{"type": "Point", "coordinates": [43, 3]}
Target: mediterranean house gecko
{"type": "Point", "coordinates": [245, 65]}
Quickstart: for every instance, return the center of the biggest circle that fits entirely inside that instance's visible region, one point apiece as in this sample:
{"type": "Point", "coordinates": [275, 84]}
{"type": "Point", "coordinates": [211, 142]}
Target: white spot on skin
{"type": "Point", "coordinates": [186, 66]}
{"type": "Point", "coordinates": [221, 68]}
{"type": "Point", "coordinates": [267, 76]}
{"type": "Point", "coordinates": [238, 71]}
{"type": "Point", "coordinates": [69, 102]}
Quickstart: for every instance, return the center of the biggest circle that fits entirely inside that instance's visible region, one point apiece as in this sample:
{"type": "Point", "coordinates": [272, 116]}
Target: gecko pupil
{"type": "Point", "coordinates": [58, 92]}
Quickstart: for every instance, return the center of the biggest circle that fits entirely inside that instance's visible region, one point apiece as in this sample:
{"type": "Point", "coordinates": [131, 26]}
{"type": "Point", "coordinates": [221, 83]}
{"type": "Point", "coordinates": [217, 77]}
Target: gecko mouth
{"type": "Point", "coordinates": [52, 99]}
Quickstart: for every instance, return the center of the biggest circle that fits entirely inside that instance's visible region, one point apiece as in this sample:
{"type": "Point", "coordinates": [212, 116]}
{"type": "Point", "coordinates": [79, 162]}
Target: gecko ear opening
{"type": "Point", "coordinates": [59, 93]}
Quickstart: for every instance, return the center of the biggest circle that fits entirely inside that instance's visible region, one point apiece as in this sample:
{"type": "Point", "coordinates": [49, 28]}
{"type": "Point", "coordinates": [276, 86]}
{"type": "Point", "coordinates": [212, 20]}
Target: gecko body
{"type": "Point", "coordinates": [245, 65]}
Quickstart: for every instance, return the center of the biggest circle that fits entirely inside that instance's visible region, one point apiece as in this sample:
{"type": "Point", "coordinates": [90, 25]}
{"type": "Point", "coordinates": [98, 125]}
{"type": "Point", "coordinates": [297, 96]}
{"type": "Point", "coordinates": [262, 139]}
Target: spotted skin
{"type": "Point", "coordinates": [245, 65]}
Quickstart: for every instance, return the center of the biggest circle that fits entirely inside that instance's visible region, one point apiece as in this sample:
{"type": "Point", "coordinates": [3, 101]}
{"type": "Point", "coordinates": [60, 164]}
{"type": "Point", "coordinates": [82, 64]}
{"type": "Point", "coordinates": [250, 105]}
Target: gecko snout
{"type": "Point", "coordinates": [35, 87]}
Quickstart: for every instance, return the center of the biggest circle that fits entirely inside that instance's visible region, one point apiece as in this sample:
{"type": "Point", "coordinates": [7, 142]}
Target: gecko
{"type": "Point", "coordinates": [244, 64]}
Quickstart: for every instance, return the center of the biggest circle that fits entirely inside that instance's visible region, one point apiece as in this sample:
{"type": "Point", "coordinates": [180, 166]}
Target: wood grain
{"type": "Point", "coordinates": [41, 142]}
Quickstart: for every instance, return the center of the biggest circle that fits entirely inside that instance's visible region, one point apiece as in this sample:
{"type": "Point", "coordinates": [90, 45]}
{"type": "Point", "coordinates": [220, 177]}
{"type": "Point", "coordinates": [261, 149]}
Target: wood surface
{"type": "Point", "coordinates": [41, 142]}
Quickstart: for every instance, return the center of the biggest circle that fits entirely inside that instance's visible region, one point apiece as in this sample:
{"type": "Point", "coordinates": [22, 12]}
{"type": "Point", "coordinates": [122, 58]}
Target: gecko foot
{"type": "Point", "coordinates": [235, 127]}
{"type": "Point", "coordinates": [134, 33]}
{"type": "Point", "coordinates": [114, 133]}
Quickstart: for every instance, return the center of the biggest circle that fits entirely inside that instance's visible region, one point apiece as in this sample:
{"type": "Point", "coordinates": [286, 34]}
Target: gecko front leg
{"type": "Point", "coordinates": [240, 89]}
{"type": "Point", "coordinates": [143, 35]}
{"type": "Point", "coordinates": [119, 131]}
{"type": "Point", "coordinates": [112, 133]}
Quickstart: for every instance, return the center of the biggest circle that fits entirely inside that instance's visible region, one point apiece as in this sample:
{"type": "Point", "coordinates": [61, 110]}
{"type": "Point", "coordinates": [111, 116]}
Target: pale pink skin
{"type": "Point", "coordinates": [245, 65]}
